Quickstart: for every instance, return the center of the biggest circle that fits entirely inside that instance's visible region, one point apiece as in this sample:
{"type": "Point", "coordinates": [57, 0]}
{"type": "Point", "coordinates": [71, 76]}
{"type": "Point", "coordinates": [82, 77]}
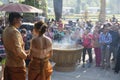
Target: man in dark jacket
{"type": "Point", "coordinates": [115, 40]}
{"type": "Point", "coordinates": [117, 65]}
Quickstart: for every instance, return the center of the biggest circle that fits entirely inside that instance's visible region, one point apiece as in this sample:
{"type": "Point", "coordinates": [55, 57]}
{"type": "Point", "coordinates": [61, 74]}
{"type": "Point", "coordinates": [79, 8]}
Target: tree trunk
{"type": "Point", "coordinates": [102, 15]}
{"type": "Point", "coordinates": [78, 6]}
{"type": "Point", "coordinates": [58, 4]}
{"type": "Point", "coordinates": [118, 6]}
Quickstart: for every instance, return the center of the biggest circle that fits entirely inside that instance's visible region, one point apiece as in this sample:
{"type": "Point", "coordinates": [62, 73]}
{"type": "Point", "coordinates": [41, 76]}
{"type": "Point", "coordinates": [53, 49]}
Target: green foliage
{"type": "Point", "coordinates": [44, 7]}
{"type": "Point", "coordinates": [50, 3]}
{"type": "Point", "coordinates": [41, 4]}
{"type": "Point", "coordinates": [20, 1]}
{"type": "Point", "coordinates": [32, 3]}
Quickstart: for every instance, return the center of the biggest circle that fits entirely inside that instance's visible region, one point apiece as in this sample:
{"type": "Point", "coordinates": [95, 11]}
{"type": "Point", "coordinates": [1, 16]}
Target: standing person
{"type": "Point", "coordinates": [2, 50]}
{"type": "Point", "coordinates": [24, 36]}
{"type": "Point", "coordinates": [76, 36]}
{"type": "Point", "coordinates": [96, 46]}
{"type": "Point", "coordinates": [117, 64]}
{"type": "Point", "coordinates": [115, 41]}
{"type": "Point", "coordinates": [60, 33]}
{"type": "Point", "coordinates": [114, 19]}
{"type": "Point", "coordinates": [87, 44]}
{"type": "Point", "coordinates": [40, 53]}
{"type": "Point", "coordinates": [25, 39]}
{"type": "Point", "coordinates": [105, 41]}
{"type": "Point", "coordinates": [14, 46]}
{"type": "Point", "coordinates": [50, 33]}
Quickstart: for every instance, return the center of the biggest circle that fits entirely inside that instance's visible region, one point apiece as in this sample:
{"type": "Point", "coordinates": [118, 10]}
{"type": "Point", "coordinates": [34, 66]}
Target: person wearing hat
{"type": "Point", "coordinates": [14, 46]}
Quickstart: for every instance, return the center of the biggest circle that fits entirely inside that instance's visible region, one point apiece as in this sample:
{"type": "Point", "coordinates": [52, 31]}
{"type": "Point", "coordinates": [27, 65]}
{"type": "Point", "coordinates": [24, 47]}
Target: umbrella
{"type": "Point", "coordinates": [17, 7]}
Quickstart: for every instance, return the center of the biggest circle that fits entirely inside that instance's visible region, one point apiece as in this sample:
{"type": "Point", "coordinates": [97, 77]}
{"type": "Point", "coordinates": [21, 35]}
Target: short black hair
{"type": "Point", "coordinates": [13, 15]}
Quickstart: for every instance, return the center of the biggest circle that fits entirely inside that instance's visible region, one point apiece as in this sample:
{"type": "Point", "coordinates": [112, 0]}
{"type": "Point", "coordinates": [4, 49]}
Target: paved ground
{"type": "Point", "coordinates": [92, 73]}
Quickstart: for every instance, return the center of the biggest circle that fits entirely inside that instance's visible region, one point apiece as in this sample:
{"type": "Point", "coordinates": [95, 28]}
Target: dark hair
{"type": "Point", "coordinates": [41, 27]}
{"type": "Point", "coordinates": [23, 31]}
{"type": "Point", "coordinates": [105, 25]}
{"type": "Point", "coordinates": [13, 15]}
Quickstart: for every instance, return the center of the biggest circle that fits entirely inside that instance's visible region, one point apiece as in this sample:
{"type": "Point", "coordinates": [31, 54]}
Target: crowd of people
{"type": "Point", "coordinates": [101, 39]}
{"type": "Point", "coordinates": [35, 46]}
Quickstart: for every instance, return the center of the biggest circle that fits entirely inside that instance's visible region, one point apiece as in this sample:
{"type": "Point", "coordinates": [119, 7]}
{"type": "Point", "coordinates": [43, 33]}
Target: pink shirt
{"type": "Point", "coordinates": [87, 40]}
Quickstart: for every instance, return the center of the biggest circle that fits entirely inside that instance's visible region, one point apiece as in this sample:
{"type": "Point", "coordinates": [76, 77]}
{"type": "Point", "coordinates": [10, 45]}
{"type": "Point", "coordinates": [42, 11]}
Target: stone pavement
{"type": "Point", "coordinates": [92, 73]}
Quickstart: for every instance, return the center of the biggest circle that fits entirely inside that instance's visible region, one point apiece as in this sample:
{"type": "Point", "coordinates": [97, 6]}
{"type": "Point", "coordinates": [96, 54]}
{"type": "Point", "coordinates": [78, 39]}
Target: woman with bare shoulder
{"type": "Point", "coordinates": [40, 53]}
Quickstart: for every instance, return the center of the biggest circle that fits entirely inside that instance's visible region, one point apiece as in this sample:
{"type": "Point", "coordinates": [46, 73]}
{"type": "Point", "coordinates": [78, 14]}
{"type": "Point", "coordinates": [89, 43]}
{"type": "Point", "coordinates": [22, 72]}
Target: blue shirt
{"type": "Point", "coordinates": [105, 38]}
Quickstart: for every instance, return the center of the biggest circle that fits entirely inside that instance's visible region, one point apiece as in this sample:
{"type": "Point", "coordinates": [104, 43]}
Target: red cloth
{"type": "Point", "coordinates": [87, 40]}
